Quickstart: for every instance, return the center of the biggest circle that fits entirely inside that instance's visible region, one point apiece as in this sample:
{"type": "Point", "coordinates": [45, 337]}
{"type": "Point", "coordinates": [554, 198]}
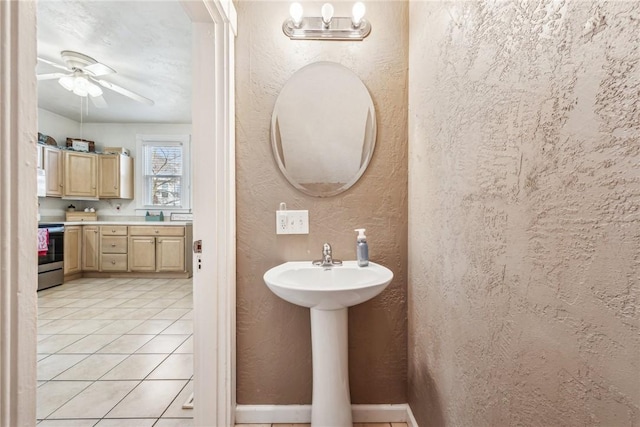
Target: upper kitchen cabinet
{"type": "Point", "coordinates": [115, 177]}
{"type": "Point", "coordinates": [52, 162]}
{"type": "Point", "coordinates": [80, 175]}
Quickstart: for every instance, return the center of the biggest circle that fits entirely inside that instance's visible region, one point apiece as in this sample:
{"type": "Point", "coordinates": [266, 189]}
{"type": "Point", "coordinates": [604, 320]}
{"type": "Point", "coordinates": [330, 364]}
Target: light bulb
{"type": "Point", "coordinates": [327, 14]}
{"type": "Point", "coordinates": [357, 13]}
{"type": "Point", "coordinates": [295, 10]}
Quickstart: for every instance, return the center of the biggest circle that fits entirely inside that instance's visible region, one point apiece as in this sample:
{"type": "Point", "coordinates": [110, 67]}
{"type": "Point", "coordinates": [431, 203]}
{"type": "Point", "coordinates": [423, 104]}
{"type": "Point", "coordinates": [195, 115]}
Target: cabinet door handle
{"type": "Point", "coordinates": [113, 245]}
{"type": "Point", "coordinates": [157, 231]}
{"type": "Point", "coordinates": [113, 262]}
{"type": "Point", "coordinates": [113, 231]}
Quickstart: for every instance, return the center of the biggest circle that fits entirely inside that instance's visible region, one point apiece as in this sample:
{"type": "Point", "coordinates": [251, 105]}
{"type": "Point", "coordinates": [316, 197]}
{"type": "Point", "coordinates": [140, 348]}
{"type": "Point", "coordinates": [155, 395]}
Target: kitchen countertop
{"type": "Point", "coordinates": [119, 222]}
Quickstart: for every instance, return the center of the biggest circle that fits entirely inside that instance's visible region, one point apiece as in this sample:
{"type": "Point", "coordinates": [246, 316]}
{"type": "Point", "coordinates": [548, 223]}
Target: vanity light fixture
{"type": "Point", "coordinates": [326, 26]}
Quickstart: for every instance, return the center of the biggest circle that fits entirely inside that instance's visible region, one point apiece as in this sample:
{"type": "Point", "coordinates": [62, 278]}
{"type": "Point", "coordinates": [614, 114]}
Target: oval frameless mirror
{"type": "Point", "coordinates": [323, 129]}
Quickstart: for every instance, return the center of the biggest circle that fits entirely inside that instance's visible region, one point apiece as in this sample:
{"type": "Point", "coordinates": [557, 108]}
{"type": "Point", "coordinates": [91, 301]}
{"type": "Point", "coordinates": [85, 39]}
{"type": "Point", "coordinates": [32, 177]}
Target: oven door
{"type": "Point", "coordinates": [51, 264]}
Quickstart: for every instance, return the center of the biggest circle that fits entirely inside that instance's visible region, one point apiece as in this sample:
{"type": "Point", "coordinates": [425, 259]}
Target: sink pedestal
{"type": "Point", "coordinates": [331, 404]}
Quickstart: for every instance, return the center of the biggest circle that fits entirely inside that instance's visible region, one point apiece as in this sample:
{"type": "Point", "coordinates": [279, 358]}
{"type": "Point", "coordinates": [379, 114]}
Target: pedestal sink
{"type": "Point", "coordinates": [328, 292]}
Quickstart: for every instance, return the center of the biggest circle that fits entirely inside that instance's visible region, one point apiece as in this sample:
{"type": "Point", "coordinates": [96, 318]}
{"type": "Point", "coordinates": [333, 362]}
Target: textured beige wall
{"type": "Point", "coordinates": [524, 218]}
{"type": "Point", "coordinates": [273, 336]}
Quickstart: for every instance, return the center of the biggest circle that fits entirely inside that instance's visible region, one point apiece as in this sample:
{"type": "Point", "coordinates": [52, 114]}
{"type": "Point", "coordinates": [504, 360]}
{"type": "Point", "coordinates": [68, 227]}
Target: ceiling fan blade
{"type": "Point", "coordinates": [51, 76]}
{"type": "Point", "coordinates": [53, 64]}
{"type": "Point", "coordinates": [123, 91]}
{"type": "Point", "coordinates": [98, 101]}
{"type": "Point", "coordinates": [99, 69]}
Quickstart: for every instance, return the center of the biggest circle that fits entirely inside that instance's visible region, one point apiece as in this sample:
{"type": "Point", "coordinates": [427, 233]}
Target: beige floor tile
{"type": "Point", "coordinates": [148, 399]}
{"type": "Point", "coordinates": [87, 313]}
{"type": "Point", "coordinates": [126, 344]}
{"type": "Point", "coordinates": [174, 422]}
{"type": "Point", "coordinates": [68, 423]}
{"type": "Point", "coordinates": [87, 326]}
{"type": "Point", "coordinates": [135, 367]}
{"type": "Point", "coordinates": [188, 315]}
{"type": "Point", "coordinates": [175, 410]}
{"type": "Point", "coordinates": [39, 357]}
{"type": "Point", "coordinates": [58, 326]}
{"type": "Point", "coordinates": [42, 337]}
{"type": "Point", "coordinates": [111, 302]}
{"type": "Point", "coordinates": [171, 313]}
{"type": "Point", "coordinates": [174, 367]}
{"type": "Point", "coordinates": [54, 394]}
{"type": "Point", "coordinates": [163, 344]}
{"type": "Point", "coordinates": [180, 327]}
{"type": "Point", "coordinates": [92, 368]}
{"type": "Point", "coordinates": [56, 343]}
{"type": "Point", "coordinates": [119, 327]}
{"type": "Point", "coordinates": [186, 347]}
{"type": "Point", "coordinates": [96, 400]}
{"type": "Point", "coordinates": [83, 303]}
{"type": "Point", "coordinates": [127, 422]}
{"type": "Point", "coordinates": [151, 327]}
{"type": "Point", "coordinates": [89, 344]}
{"type": "Point", "coordinates": [136, 303]}
{"type": "Point", "coordinates": [55, 302]}
{"type": "Point", "coordinates": [183, 303]}
{"type": "Point", "coordinates": [160, 303]}
{"type": "Point", "coordinates": [56, 364]}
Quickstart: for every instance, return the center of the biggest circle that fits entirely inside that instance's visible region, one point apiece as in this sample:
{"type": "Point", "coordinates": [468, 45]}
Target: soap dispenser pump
{"type": "Point", "coordinates": [362, 248]}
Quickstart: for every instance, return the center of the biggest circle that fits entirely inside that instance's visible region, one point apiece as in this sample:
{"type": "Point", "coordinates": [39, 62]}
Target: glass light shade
{"type": "Point", "coordinates": [295, 10]}
{"type": "Point", "coordinates": [94, 90]}
{"type": "Point", "coordinates": [67, 82]}
{"type": "Point", "coordinates": [327, 13]}
{"type": "Point", "coordinates": [357, 13]}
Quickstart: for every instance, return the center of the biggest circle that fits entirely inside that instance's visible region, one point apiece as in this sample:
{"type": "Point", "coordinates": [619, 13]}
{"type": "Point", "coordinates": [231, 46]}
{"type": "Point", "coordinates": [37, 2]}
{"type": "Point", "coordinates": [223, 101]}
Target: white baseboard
{"type": "Point", "coordinates": [267, 414]}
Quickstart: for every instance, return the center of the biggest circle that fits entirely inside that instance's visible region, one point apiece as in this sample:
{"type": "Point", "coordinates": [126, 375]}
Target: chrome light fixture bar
{"type": "Point", "coordinates": [327, 26]}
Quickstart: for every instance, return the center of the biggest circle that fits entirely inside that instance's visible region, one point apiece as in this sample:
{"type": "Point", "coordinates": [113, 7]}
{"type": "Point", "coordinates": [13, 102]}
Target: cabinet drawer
{"type": "Point", "coordinates": [114, 245]}
{"type": "Point", "coordinates": [160, 230]}
{"type": "Point", "coordinates": [113, 230]}
{"type": "Point", "coordinates": [114, 262]}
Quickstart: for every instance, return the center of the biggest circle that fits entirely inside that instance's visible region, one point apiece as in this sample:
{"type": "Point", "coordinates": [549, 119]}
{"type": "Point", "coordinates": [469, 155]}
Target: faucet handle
{"type": "Point", "coordinates": [326, 249]}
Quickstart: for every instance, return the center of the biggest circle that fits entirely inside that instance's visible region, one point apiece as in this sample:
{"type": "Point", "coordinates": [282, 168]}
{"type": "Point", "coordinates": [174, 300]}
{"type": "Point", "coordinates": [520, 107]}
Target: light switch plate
{"type": "Point", "coordinates": [292, 222]}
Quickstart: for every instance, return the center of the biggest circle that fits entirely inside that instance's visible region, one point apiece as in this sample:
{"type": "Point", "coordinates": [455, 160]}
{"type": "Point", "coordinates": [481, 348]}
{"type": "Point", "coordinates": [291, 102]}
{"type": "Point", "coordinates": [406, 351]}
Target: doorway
{"type": "Point", "coordinates": [213, 133]}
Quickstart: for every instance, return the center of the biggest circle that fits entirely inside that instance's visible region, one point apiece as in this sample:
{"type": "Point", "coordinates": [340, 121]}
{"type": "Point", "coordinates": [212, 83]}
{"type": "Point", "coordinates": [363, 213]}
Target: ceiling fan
{"type": "Point", "coordinates": [81, 78]}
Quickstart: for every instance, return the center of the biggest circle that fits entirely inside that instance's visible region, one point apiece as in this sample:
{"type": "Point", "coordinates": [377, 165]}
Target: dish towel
{"type": "Point", "coordinates": [43, 241]}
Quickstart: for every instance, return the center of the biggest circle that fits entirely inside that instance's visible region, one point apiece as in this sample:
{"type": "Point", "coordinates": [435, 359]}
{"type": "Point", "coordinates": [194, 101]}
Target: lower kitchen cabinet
{"type": "Point", "coordinates": [142, 253]}
{"type": "Point", "coordinates": [169, 254]}
{"type": "Point", "coordinates": [72, 250]}
{"type": "Point", "coordinates": [90, 248]}
{"type": "Point", "coordinates": [113, 248]}
{"type": "Point", "coordinates": [150, 251]}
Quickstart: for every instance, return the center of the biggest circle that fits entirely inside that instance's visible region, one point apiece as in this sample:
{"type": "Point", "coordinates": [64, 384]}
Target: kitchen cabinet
{"type": "Point", "coordinates": [113, 248]}
{"type": "Point", "coordinates": [157, 249]}
{"type": "Point", "coordinates": [115, 177]}
{"type": "Point", "coordinates": [80, 175]}
{"type": "Point", "coordinates": [52, 164]}
{"type": "Point", "coordinates": [90, 248]}
{"type": "Point", "coordinates": [40, 158]}
{"type": "Point", "coordinates": [72, 250]}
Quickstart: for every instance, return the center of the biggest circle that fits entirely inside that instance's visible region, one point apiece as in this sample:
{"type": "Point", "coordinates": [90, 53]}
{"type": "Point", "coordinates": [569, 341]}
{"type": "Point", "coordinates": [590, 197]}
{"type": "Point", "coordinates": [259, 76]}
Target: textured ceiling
{"type": "Point", "coordinates": [148, 43]}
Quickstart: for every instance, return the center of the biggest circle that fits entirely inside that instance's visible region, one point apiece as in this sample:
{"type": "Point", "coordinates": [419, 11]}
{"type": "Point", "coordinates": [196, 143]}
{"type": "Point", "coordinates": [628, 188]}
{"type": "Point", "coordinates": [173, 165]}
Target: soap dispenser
{"type": "Point", "coordinates": [362, 248]}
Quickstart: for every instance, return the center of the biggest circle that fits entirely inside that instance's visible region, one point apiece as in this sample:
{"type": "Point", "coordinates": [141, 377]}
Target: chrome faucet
{"type": "Point", "coordinates": [327, 260]}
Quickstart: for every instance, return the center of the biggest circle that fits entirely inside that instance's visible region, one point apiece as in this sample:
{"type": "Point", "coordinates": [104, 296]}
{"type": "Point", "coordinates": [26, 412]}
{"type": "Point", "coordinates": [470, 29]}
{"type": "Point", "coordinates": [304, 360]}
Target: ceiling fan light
{"type": "Point", "coordinates": [67, 82]}
{"type": "Point", "coordinates": [94, 90]}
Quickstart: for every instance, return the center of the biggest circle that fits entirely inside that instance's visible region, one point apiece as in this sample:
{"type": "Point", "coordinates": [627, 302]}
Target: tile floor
{"type": "Point", "coordinates": [115, 352]}
{"type": "Point", "coordinates": [119, 353]}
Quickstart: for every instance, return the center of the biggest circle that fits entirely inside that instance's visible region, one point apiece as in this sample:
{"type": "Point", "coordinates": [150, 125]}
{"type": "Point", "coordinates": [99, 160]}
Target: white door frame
{"type": "Point", "coordinates": [214, 23]}
{"type": "Point", "coordinates": [213, 154]}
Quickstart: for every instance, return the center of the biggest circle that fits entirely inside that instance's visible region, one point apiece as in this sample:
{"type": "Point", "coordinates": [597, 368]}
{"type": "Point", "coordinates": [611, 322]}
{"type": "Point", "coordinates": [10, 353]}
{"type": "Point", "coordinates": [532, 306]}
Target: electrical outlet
{"type": "Point", "coordinates": [292, 222]}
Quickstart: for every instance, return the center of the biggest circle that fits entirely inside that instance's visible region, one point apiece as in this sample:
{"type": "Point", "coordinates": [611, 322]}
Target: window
{"type": "Point", "coordinates": [163, 172]}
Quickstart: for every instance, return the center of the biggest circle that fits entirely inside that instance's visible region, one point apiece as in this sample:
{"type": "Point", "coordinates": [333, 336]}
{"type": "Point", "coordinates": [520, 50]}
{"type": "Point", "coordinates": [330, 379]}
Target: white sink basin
{"type": "Point", "coordinates": [328, 292]}
{"type": "Point", "coordinates": [332, 288]}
